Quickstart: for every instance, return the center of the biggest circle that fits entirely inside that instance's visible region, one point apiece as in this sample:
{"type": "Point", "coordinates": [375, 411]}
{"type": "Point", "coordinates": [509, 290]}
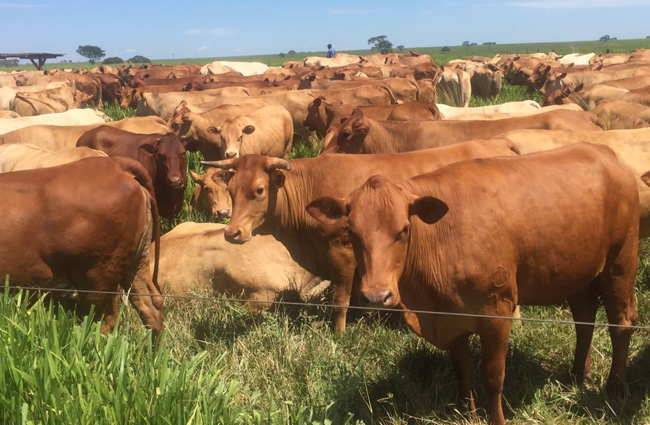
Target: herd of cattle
{"type": "Point", "coordinates": [451, 208]}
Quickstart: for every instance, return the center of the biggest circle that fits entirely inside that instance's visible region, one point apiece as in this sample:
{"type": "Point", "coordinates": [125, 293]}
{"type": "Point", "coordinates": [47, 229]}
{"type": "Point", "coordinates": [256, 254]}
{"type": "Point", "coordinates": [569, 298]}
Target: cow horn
{"type": "Point", "coordinates": [278, 163]}
{"type": "Point", "coordinates": [225, 164]}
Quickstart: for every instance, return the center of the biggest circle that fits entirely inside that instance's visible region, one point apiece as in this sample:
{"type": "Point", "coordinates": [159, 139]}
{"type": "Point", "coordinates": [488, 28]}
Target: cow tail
{"type": "Point", "coordinates": [393, 99]}
{"type": "Point", "coordinates": [140, 174]}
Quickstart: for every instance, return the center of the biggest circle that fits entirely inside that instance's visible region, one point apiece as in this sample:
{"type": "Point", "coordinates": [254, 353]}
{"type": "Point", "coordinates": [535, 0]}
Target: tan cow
{"type": "Point", "coordinates": [8, 114]}
{"type": "Point", "coordinates": [201, 127]}
{"type": "Point", "coordinates": [454, 88]}
{"type": "Point", "coordinates": [18, 157]}
{"type": "Point", "coordinates": [360, 134]}
{"type": "Point", "coordinates": [618, 114]}
{"type": "Point", "coordinates": [267, 131]}
{"type": "Point", "coordinates": [210, 196]}
{"type": "Point", "coordinates": [163, 104]}
{"type": "Point", "coordinates": [522, 113]}
{"type": "Point", "coordinates": [55, 137]}
{"type": "Point", "coordinates": [196, 255]}
{"type": "Point", "coordinates": [451, 112]}
{"type": "Point", "coordinates": [70, 117]}
{"type": "Point", "coordinates": [48, 101]}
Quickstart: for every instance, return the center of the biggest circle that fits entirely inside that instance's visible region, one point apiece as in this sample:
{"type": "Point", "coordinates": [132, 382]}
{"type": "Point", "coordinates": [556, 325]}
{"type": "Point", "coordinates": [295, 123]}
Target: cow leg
{"type": "Point", "coordinates": [106, 308]}
{"type": "Point", "coordinates": [461, 358]}
{"type": "Point", "coordinates": [144, 296]}
{"type": "Point", "coordinates": [584, 306]}
{"type": "Point", "coordinates": [342, 266]}
{"type": "Point", "coordinates": [494, 335]}
{"type": "Point", "coordinates": [617, 288]}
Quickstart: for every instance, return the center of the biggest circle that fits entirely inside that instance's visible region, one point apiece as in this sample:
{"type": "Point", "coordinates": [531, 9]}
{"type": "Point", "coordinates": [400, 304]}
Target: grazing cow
{"type": "Point", "coordinates": [404, 89]}
{"type": "Point", "coordinates": [55, 137]}
{"type": "Point", "coordinates": [268, 198]}
{"type": "Point", "coordinates": [526, 112]}
{"type": "Point", "coordinates": [618, 114]}
{"type": "Point", "coordinates": [323, 115]}
{"type": "Point", "coordinates": [267, 131]}
{"type": "Point", "coordinates": [481, 244]}
{"type": "Point", "coordinates": [163, 104]}
{"type": "Point", "coordinates": [632, 147]}
{"type": "Point", "coordinates": [163, 156]}
{"type": "Point", "coordinates": [454, 87]}
{"type": "Point", "coordinates": [210, 196]}
{"type": "Point", "coordinates": [70, 117]}
{"type": "Point", "coordinates": [245, 68]}
{"type": "Point", "coordinates": [360, 134]}
{"type": "Point", "coordinates": [18, 157]}
{"type": "Point", "coordinates": [486, 81]}
{"type": "Point", "coordinates": [200, 128]}
{"type": "Point", "coordinates": [95, 240]}
{"type": "Point", "coordinates": [48, 101]}
{"type": "Point", "coordinates": [197, 255]}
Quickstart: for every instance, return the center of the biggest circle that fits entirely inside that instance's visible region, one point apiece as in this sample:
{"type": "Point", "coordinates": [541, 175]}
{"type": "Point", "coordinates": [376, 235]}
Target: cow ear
{"type": "Point", "coordinates": [249, 129]}
{"type": "Point", "coordinates": [214, 130]}
{"type": "Point", "coordinates": [327, 210]}
{"type": "Point", "coordinates": [318, 101]}
{"type": "Point", "coordinates": [222, 177]}
{"type": "Point", "coordinates": [428, 208]}
{"type": "Point", "coordinates": [562, 75]}
{"type": "Point", "coordinates": [148, 149]}
{"type": "Point", "coordinates": [196, 178]}
{"type": "Point", "coordinates": [191, 145]}
{"type": "Point", "coordinates": [277, 177]}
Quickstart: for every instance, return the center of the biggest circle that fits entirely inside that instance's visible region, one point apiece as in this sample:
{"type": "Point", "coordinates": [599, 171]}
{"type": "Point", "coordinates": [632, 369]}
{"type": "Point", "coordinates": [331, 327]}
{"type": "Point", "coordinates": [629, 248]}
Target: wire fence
{"type": "Point", "coordinates": [331, 306]}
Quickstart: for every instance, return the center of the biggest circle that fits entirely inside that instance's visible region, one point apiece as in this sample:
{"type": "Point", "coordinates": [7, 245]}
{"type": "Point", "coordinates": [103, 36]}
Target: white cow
{"type": "Point", "coordinates": [245, 68]}
{"type": "Point", "coordinates": [28, 157]}
{"type": "Point", "coordinates": [70, 117]}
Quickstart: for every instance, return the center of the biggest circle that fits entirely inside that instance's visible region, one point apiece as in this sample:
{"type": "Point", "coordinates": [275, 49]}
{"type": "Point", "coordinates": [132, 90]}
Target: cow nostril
{"type": "Point", "coordinates": [230, 154]}
{"type": "Point", "coordinates": [224, 213]}
{"type": "Point", "coordinates": [382, 298]}
{"type": "Point", "coordinates": [232, 233]}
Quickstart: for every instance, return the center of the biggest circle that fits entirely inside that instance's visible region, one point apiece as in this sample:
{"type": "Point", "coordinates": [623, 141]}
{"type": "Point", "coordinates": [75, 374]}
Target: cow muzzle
{"type": "Point", "coordinates": [223, 213]}
{"type": "Point", "coordinates": [236, 234]}
{"type": "Point", "coordinates": [378, 298]}
{"type": "Point", "coordinates": [232, 154]}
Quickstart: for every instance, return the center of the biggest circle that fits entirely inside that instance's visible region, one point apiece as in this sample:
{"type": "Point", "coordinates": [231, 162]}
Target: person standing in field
{"type": "Point", "coordinates": [331, 53]}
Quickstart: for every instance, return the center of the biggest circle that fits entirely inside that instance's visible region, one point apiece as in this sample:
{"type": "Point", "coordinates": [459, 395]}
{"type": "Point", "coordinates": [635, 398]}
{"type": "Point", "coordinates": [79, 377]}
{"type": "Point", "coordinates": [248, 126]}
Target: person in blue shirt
{"type": "Point", "coordinates": [331, 53]}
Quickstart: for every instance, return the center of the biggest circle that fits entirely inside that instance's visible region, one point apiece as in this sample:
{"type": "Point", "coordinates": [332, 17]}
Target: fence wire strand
{"type": "Point", "coordinates": [331, 306]}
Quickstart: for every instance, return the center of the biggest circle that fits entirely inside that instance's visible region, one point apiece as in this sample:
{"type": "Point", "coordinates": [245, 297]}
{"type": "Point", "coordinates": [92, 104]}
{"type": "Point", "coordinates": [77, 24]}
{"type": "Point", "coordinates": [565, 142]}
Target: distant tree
{"type": "Point", "coordinates": [139, 59]}
{"type": "Point", "coordinates": [487, 43]}
{"type": "Point", "coordinates": [400, 47]}
{"type": "Point", "coordinates": [8, 62]}
{"type": "Point", "coordinates": [112, 60]}
{"type": "Point", "coordinates": [445, 49]}
{"type": "Point", "coordinates": [605, 38]}
{"type": "Point", "coordinates": [282, 54]}
{"type": "Point", "coordinates": [466, 43]}
{"type": "Point", "coordinates": [381, 44]}
{"type": "Point", "coordinates": [291, 52]}
{"type": "Point", "coordinates": [613, 38]}
{"type": "Point", "coordinates": [92, 53]}
{"type": "Point", "coordinates": [648, 36]}
{"type": "Point", "coordinates": [474, 44]}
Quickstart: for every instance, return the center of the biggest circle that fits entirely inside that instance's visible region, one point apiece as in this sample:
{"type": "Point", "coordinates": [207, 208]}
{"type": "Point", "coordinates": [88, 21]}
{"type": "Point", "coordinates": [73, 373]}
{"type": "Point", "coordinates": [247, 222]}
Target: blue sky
{"type": "Point", "coordinates": [192, 29]}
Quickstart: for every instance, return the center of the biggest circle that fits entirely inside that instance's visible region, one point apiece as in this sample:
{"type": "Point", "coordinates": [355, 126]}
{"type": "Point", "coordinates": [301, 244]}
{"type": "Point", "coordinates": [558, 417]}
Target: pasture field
{"type": "Point", "coordinates": [457, 52]}
{"type": "Point", "coordinates": [219, 363]}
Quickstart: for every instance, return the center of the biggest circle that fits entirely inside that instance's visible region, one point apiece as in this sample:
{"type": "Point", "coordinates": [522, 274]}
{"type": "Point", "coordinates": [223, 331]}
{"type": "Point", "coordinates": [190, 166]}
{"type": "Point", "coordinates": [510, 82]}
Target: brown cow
{"type": "Point", "coordinates": [94, 240]}
{"type": "Point", "coordinates": [210, 195]}
{"type": "Point", "coordinates": [481, 244]}
{"type": "Point", "coordinates": [163, 156]}
{"type": "Point", "coordinates": [323, 115]}
{"type": "Point", "coordinates": [360, 134]}
{"type": "Point", "coordinates": [268, 199]}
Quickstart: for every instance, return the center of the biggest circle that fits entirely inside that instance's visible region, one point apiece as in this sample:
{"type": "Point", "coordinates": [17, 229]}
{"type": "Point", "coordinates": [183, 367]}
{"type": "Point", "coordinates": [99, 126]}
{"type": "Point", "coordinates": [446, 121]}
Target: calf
{"type": "Point", "coordinates": [163, 156]}
{"type": "Point", "coordinates": [96, 239]}
{"type": "Point", "coordinates": [210, 195]}
{"type": "Point", "coordinates": [474, 250]}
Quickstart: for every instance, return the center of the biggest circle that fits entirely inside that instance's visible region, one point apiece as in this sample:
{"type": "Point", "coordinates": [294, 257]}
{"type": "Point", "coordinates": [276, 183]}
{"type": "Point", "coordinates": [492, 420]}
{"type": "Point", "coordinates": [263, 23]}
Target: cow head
{"type": "Point", "coordinates": [562, 96]}
{"type": "Point", "coordinates": [554, 81]}
{"type": "Point", "coordinates": [232, 135]}
{"type": "Point", "coordinates": [317, 116]}
{"type": "Point", "coordinates": [211, 195]}
{"type": "Point", "coordinates": [349, 136]}
{"type": "Point", "coordinates": [253, 185]}
{"type": "Point", "coordinates": [379, 219]}
{"type": "Point", "coordinates": [168, 153]}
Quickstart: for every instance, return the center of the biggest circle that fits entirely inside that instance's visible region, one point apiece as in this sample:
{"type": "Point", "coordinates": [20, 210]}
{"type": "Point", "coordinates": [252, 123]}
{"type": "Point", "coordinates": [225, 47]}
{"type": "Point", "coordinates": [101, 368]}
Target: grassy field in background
{"type": "Point", "coordinates": [457, 52]}
{"type": "Point", "coordinates": [218, 363]}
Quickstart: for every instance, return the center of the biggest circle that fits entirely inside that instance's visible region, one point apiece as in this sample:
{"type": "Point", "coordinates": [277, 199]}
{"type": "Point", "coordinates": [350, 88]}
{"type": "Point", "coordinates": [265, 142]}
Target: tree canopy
{"type": "Point", "coordinates": [381, 44]}
{"type": "Point", "coordinates": [92, 53]}
{"type": "Point", "coordinates": [605, 38]}
{"type": "Point", "coordinates": [139, 59]}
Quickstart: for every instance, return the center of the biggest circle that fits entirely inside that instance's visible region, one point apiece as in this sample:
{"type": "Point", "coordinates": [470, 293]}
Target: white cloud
{"type": "Point", "coordinates": [576, 4]}
{"type": "Point", "coordinates": [350, 12]}
{"type": "Point", "coordinates": [216, 32]}
{"type": "Point", "coordinates": [202, 48]}
{"type": "Point", "coordinates": [22, 6]}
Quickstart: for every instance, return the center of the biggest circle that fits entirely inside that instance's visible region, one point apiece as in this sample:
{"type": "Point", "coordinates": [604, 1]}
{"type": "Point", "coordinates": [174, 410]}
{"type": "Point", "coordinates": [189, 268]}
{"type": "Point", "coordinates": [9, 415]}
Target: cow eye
{"type": "Point", "coordinates": [260, 190]}
{"type": "Point", "coordinates": [405, 230]}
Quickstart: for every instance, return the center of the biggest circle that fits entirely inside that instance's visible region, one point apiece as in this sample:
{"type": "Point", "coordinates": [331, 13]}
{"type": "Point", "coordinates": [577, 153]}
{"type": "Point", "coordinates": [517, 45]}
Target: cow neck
{"type": "Point", "coordinates": [428, 256]}
{"type": "Point", "coordinates": [300, 188]}
{"type": "Point", "coordinates": [391, 136]}
{"type": "Point", "coordinates": [201, 127]}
